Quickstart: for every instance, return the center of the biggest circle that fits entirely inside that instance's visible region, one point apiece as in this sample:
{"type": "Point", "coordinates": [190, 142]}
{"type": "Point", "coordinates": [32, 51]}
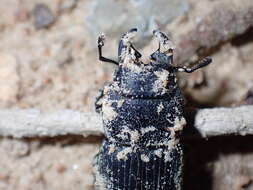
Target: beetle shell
{"type": "Point", "coordinates": [142, 112]}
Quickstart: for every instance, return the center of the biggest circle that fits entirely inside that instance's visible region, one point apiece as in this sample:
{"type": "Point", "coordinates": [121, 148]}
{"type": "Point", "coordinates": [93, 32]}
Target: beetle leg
{"type": "Point", "coordinates": [204, 62]}
{"type": "Point", "coordinates": [100, 42]}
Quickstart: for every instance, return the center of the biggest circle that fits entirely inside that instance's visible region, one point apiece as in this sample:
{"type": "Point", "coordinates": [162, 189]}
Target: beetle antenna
{"type": "Point", "coordinates": [202, 63]}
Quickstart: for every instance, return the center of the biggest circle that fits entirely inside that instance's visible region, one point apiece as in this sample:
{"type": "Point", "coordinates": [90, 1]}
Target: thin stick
{"type": "Point", "coordinates": [201, 123]}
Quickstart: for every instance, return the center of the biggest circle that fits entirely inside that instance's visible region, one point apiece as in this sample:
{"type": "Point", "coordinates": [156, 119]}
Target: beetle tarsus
{"type": "Point", "coordinates": [100, 42]}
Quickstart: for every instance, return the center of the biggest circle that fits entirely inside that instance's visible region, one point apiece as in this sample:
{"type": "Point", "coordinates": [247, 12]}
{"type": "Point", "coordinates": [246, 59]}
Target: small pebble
{"type": "Point", "coordinates": [43, 16]}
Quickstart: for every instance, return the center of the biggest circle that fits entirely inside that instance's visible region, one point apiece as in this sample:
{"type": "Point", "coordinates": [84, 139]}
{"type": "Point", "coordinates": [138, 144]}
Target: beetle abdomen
{"type": "Point", "coordinates": [138, 168]}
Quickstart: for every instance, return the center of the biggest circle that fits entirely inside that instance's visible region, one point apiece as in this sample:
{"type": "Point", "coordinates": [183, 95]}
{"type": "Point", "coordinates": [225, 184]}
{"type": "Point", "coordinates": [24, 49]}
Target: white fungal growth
{"type": "Point", "coordinates": [144, 158]}
{"type": "Point", "coordinates": [122, 155]}
{"type": "Point", "coordinates": [161, 83]}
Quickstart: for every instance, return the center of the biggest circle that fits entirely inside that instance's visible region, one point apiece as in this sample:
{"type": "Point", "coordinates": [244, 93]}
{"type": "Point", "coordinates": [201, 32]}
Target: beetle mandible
{"type": "Point", "coordinates": [142, 111]}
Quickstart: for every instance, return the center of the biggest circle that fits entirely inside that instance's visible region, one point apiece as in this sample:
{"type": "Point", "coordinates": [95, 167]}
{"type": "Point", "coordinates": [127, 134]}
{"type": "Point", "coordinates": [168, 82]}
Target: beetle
{"type": "Point", "coordinates": [142, 112]}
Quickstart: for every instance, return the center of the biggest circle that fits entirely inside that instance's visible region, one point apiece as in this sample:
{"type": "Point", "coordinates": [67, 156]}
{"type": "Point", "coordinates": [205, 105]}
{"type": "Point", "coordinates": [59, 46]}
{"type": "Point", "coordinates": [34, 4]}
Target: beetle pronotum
{"type": "Point", "coordinates": [142, 111]}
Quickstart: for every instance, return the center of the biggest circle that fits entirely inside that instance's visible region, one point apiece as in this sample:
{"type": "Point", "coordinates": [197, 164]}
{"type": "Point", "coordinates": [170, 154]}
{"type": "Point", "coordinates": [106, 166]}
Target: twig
{"type": "Point", "coordinates": [34, 123]}
{"type": "Point", "coordinates": [201, 123]}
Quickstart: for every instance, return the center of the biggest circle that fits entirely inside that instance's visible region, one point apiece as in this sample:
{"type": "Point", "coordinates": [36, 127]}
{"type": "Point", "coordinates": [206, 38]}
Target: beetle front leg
{"type": "Point", "coordinates": [204, 62]}
{"type": "Point", "coordinates": [100, 42]}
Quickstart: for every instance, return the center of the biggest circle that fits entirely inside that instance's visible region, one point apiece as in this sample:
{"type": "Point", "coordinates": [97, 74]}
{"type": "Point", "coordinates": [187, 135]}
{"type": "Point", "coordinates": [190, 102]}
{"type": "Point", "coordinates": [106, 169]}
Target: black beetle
{"type": "Point", "coordinates": [142, 111]}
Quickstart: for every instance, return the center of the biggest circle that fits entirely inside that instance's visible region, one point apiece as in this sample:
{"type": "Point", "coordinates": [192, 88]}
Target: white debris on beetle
{"type": "Point", "coordinates": [173, 142]}
{"type": "Point", "coordinates": [131, 65]}
{"type": "Point", "coordinates": [144, 158]}
{"type": "Point", "coordinates": [122, 155]}
{"type": "Point", "coordinates": [108, 112]}
{"type": "Point", "coordinates": [124, 133]}
{"type": "Point", "coordinates": [112, 148]}
{"type": "Point", "coordinates": [122, 136]}
{"type": "Point", "coordinates": [147, 129]}
{"type": "Point", "coordinates": [120, 103]}
{"type": "Point", "coordinates": [107, 89]}
{"type": "Point", "coordinates": [168, 118]}
{"type": "Point", "coordinates": [179, 124]}
{"type": "Point", "coordinates": [160, 108]}
{"type": "Point", "coordinates": [134, 136]}
{"type": "Point", "coordinates": [167, 157]}
{"type": "Point", "coordinates": [113, 86]}
{"type": "Point", "coordinates": [159, 152]}
{"type": "Point", "coordinates": [161, 83]}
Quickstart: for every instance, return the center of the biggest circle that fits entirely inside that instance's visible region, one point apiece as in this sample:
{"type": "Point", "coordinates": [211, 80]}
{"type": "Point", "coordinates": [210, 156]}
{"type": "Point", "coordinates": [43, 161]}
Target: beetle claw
{"type": "Point", "coordinates": [101, 40]}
